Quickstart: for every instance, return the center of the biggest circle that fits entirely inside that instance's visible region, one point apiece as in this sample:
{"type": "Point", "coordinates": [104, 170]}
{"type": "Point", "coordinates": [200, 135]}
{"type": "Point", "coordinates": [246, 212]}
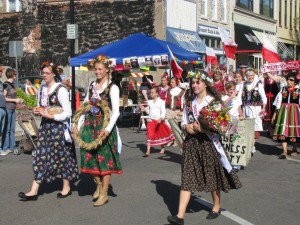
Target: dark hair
{"type": "Point", "coordinates": [155, 88]}
{"type": "Point", "coordinates": [54, 69]}
{"type": "Point", "coordinates": [292, 75]}
{"type": "Point", "coordinates": [10, 73]}
{"type": "Point", "coordinates": [145, 81]}
{"type": "Point", "coordinates": [209, 88]}
{"type": "Point", "coordinates": [176, 80]}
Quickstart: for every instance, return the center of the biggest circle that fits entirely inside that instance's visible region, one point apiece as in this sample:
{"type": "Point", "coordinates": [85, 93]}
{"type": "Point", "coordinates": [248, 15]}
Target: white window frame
{"type": "Point", "coordinates": [223, 10]}
{"type": "Point", "coordinates": [18, 6]}
{"type": "Point", "coordinates": [214, 8]}
{"type": "Point", "coordinates": [203, 12]}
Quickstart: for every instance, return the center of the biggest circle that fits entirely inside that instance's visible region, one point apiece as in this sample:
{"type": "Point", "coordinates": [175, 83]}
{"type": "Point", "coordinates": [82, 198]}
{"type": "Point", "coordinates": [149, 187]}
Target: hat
{"type": "Point", "coordinates": [243, 66]}
{"type": "Point", "coordinates": [1, 68]}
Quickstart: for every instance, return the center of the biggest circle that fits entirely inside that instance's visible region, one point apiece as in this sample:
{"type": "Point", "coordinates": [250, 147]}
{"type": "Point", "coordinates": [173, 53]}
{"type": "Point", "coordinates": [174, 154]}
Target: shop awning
{"type": "Point", "coordinates": [186, 39]}
{"type": "Point", "coordinates": [246, 39]}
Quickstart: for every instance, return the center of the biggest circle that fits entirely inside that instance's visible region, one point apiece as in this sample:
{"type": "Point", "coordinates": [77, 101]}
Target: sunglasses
{"type": "Point", "coordinates": [291, 79]}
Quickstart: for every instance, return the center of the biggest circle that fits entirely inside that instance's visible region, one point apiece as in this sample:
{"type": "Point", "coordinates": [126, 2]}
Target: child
{"type": "Point", "coordinates": [234, 101]}
{"type": "Point", "coordinates": [158, 133]}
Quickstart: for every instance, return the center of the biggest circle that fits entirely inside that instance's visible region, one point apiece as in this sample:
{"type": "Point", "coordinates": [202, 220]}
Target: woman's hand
{"type": "Point", "coordinates": [19, 100]}
{"type": "Point", "coordinates": [159, 120]}
{"type": "Point", "coordinates": [190, 128]}
{"type": "Point", "coordinates": [197, 127]}
{"type": "Point", "coordinates": [44, 113]}
{"type": "Point", "coordinates": [36, 111]}
{"type": "Point", "coordinates": [104, 134]}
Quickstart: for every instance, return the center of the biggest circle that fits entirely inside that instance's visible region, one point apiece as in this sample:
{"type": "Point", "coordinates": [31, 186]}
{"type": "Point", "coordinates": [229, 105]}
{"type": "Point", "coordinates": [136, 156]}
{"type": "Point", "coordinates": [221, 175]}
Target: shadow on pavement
{"type": "Point", "coordinates": [170, 194]}
{"type": "Point", "coordinates": [268, 149]}
{"type": "Point", "coordinates": [171, 156]}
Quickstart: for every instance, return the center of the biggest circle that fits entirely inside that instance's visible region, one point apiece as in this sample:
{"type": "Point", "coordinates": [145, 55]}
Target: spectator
{"type": "Point", "coordinates": [10, 94]}
{"type": "Point", "coordinates": [2, 111]}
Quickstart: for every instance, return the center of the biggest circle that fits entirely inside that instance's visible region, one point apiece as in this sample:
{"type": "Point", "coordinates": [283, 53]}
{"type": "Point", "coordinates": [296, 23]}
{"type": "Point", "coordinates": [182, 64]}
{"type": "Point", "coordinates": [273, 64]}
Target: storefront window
{"type": "Point", "coordinates": [203, 8]}
{"type": "Point", "coordinates": [266, 8]}
{"type": "Point", "coordinates": [14, 5]}
{"type": "Point", "coordinates": [246, 4]}
{"type": "Point", "coordinates": [214, 9]}
{"type": "Point", "coordinates": [223, 10]}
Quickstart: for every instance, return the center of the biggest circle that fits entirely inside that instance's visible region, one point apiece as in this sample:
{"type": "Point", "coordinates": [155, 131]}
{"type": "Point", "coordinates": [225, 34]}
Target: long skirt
{"type": "Point", "coordinates": [158, 133]}
{"type": "Point", "coordinates": [54, 157]}
{"type": "Point", "coordinates": [287, 128]}
{"type": "Point", "coordinates": [103, 160]}
{"type": "Point", "coordinates": [202, 169]}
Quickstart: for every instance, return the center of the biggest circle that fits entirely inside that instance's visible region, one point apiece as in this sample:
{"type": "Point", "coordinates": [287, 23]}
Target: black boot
{"type": "Point", "coordinates": [175, 220]}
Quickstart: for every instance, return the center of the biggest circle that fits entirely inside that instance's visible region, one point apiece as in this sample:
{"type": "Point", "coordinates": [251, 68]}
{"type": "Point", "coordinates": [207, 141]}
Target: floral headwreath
{"type": "Point", "coordinates": [198, 75]}
{"type": "Point", "coordinates": [53, 66]}
{"type": "Point", "coordinates": [100, 59]}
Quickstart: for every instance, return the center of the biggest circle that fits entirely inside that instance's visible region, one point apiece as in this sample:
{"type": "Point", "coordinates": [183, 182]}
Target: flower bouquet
{"type": "Point", "coordinates": [215, 117]}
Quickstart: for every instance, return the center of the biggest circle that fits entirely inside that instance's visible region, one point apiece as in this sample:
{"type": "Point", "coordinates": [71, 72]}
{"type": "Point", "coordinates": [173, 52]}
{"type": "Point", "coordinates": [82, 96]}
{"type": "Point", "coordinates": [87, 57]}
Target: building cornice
{"type": "Point", "coordinates": [243, 11]}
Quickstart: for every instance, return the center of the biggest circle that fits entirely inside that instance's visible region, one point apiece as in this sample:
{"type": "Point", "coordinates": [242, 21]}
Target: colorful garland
{"type": "Point", "coordinates": [95, 107]}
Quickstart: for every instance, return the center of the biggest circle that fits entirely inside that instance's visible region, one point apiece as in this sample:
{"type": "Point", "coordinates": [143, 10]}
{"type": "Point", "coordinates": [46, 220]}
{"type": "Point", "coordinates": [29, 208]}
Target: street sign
{"type": "Point", "coordinates": [72, 31]}
{"type": "Point", "coordinates": [15, 49]}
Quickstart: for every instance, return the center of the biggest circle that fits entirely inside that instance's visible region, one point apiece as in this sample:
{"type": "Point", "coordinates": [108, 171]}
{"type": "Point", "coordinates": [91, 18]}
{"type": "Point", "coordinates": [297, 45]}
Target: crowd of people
{"type": "Point", "coordinates": [174, 111]}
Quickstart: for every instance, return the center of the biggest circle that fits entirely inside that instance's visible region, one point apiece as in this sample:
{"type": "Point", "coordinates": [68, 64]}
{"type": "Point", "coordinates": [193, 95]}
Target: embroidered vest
{"type": "Point", "coordinates": [252, 97]}
{"type": "Point", "coordinates": [290, 97]}
{"type": "Point", "coordinates": [104, 95]}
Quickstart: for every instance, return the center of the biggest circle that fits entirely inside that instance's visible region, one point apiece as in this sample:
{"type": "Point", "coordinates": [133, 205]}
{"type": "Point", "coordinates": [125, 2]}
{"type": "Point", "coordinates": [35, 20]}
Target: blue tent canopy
{"type": "Point", "coordinates": [136, 45]}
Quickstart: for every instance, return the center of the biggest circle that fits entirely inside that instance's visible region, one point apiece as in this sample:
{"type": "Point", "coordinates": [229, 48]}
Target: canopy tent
{"type": "Point", "coordinates": [137, 45]}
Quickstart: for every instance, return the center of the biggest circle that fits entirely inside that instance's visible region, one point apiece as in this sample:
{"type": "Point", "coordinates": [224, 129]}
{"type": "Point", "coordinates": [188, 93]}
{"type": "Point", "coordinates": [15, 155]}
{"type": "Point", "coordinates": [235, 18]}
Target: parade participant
{"type": "Point", "coordinates": [234, 102]}
{"type": "Point", "coordinates": [100, 160]}
{"type": "Point", "coordinates": [145, 88]}
{"type": "Point", "coordinates": [175, 102]}
{"type": "Point", "coordinates": [2, 111]}
{"type": "Point", "coordinates": [239, 80]}
{"type": "Point", "coordinates": [243, 69]}
{"type": "Point", "coordinates": [10, 94]}
{"type": "Point", "coordinates": [254, 102]}
{"type": "Point", "coordinates": [164, 87]}
{"type": "Point", "coordinates": [218, 82]}
{"type": "Point", "coordinates": [158, 133]}
{"type": "Point", "coordinates": [54, 157]}
{"type": "Point", "coordinates": [287, 112]}
{"type": "Point", "coordinates": [205, 166]}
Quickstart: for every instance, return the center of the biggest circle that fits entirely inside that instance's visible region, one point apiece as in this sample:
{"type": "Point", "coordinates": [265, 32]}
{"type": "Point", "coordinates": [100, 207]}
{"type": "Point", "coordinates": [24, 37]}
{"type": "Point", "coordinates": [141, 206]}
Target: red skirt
{"type": "Point", "coordinates": [158, 133]}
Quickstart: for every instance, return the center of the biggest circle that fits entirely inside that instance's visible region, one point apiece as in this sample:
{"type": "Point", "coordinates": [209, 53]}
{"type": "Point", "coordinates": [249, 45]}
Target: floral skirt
{"type": "Point", "coordinates": [287, 128]}
{"type": "Point", "coordinates": [158, 133]}
{"type": "Point", "coordinates": [202, 169]}
{"type": "Point", "coordinates": [103, 160]}
{"type": "Point", "coordinates": [54, 157]}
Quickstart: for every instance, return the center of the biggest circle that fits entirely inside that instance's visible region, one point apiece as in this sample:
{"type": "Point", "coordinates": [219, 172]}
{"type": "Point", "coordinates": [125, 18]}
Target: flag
{"type": "Point", "coordinates": [229, 45]}
{"type": "Point", "coordinates": [268, 51]}
{"type": "Point", "coordinates": [176, 69]}
{"type": "Point", "coordinates": [211, 57]}
{"type": "Point", "coordinates": [207, 68]}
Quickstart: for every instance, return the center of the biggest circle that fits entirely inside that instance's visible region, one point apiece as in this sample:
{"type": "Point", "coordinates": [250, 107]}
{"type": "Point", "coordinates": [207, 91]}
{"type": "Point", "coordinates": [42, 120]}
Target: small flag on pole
{"type": "Point", "coordinates": [228, 44]}
{"type": "Point", "coordinates": [211, 57]}
{"type": "Point", "coordinates": [176, 69]}
{"type": "Point", "coordinates": [268, 51]}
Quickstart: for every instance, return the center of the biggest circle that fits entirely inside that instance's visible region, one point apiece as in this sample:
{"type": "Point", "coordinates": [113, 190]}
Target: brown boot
{"type": "Point", "coordinates": [103, 198]}
{"type": "Point", "coordinates": [98, 188]}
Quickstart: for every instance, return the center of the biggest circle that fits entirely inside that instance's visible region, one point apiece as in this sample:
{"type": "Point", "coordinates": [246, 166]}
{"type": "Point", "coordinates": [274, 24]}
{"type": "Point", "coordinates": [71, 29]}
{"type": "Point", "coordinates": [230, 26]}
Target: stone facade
{"type": "Point", "coordinates": [42, 27]}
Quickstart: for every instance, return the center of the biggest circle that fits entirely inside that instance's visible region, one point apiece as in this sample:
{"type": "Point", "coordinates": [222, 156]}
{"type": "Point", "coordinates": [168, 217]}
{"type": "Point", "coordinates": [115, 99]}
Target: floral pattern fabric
{"type": "Point", "coordinates": [54, 158]}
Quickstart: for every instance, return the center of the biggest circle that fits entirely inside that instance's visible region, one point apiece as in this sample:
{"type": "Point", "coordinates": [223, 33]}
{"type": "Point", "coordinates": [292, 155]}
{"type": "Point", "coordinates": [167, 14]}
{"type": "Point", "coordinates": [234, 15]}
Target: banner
{"type": "Point", "coordinates": [293, 65]}
{"type": "Point", "coordinates": [239, 145]}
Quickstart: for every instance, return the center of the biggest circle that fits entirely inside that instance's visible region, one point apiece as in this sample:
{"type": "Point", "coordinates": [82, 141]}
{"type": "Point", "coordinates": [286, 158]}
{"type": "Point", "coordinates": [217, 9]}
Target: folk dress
{"type": "Point", "coordinates": [287, 128]}
{"type": "Point", "coordinates": [54, 157]}
{"type": "Point", "coordinates": [205, 166]}
{"type": "Point", "coordinates": [157, 133]}
{"type": "Point", "coordinates": [104, 160]}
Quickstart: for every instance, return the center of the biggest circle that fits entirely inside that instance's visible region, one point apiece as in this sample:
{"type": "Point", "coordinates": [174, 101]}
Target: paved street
{"type": "Point", "coordinates": [147, 192]}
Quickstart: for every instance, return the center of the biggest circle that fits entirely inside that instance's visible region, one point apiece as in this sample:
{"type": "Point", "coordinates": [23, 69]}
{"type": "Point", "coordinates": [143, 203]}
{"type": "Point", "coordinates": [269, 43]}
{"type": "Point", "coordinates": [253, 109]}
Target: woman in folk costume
{"type": "Point", "coordinates": [158, 133]}
{"type": "Point", "coordinates": [205, 166]}
{"type": "Point", "coordinates": [164, 87]}
{"type": "Point", "coordinates": [254, 101]}
{"type": "Point", "coordinates": [287, 128]}
{"type": "Point", "coordinates": [101, 160]}
{"type": "Point", "coordinates": [54, 158]}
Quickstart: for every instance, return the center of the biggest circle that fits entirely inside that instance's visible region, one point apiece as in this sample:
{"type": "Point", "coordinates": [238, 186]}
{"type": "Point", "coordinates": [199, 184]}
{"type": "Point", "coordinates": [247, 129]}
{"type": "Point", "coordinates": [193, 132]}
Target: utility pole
{"type": "Point", "coordinates": [72, 43]}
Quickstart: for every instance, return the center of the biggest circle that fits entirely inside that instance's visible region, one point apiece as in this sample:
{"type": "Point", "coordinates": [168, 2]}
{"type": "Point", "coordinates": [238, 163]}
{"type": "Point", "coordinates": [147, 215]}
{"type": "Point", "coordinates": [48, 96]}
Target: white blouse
{"type": "Point", "coordinates": [63, 98]}
{"type": "Point", "coordinates": [114, 96]}
{"type": "Point", "coordinates": [157, 109]}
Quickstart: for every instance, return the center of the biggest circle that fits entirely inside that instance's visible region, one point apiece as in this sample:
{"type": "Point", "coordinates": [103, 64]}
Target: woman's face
{"type": "Point", "coordinates": [238, 78]}
{"type": "Point", "coordinates": [173, 83]}
{"type": "Point", "coordinates": [250, 76]}
{"type": "Point", "coordinates": [291, 82]}
{"type": "Point", "coordinates": [101, 71]}
{"type": "Point", "coordinates": [198, 86]}
{"type": "Point", "coordinates": [47, 74]}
